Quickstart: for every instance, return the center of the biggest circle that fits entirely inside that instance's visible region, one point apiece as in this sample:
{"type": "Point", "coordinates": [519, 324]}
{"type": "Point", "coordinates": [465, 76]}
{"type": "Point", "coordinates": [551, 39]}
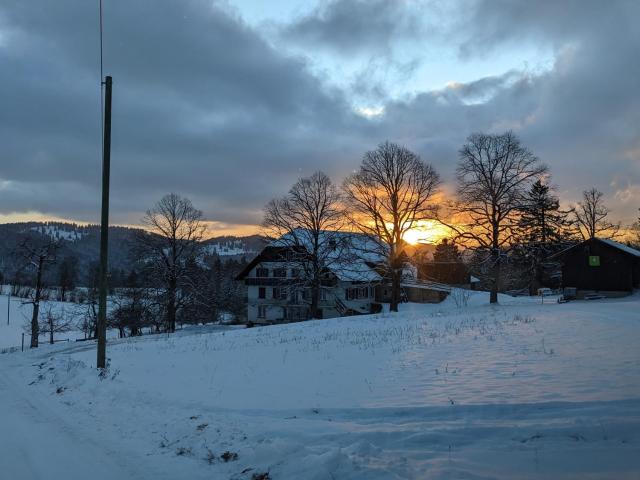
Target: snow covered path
{"type": "Point", "coordinates": [517, 391]}
{"type": "Point", "coordinates": [37, 444]}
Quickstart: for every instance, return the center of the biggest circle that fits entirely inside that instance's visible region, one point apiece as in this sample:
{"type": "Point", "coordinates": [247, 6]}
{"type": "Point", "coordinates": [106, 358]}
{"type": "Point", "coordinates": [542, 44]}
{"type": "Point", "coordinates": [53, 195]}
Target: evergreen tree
{"type": "Point", "coordinates": [447, 265]}
{"type": "Point", "coordinates": [544, 230]}
{"type": "Point", "coordinates": [446, 252]}
{"type": "Point", "coordinates": [542, 222]}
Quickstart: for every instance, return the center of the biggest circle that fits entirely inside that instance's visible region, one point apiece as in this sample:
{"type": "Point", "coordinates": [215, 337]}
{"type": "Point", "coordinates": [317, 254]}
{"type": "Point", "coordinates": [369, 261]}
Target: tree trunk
{"type": "Point", "coordinates": [51, 331]}
{"type": "Point", "coordinates": [35, 328]}
{"type": "Point", "coordinates": [35, 331]}
{"type": "Point", "coordinates": [171, 307]}
{"type": "Point", "coordinates": [315, 299]}
{"type": "Point", "coordinates": [395, 289]}
{"type": "Point", "coordinates": [495, 275]}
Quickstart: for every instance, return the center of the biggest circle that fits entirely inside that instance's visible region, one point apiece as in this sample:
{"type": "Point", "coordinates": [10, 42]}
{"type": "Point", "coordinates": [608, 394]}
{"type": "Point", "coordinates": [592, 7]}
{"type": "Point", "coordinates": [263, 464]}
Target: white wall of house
{"type": "Point", "coordinates": [267, 309]}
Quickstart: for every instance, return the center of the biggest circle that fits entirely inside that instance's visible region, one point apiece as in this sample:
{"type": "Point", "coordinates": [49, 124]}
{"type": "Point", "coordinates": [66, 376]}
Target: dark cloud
{"type": "Point", "coordinates": [350, 26]}
{"type": "Point", "coordinates": [202, 105]}
{"type": "Point", "coordinates": [205, 106]}
{"type": "Point", "coordinates": [583, 114]}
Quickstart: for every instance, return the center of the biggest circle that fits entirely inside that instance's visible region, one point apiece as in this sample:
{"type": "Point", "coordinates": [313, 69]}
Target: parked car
{"type": "Point", "coordinates": [545, 291]}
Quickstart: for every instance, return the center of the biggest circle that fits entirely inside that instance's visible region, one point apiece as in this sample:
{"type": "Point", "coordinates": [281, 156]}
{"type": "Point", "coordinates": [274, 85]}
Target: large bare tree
{"type": "Point", "coordinates": [174, 229]}
{"type": "Point", "coordinates": [39, 254]}
{"type": "Point", "coordinates": [590, 216]}
{"type": "Point", "coordinates": [387, 196]}
{"type": "Point", "coordinates": [306, 222]}
{"type": "Point", "coordinates": [494, 174]}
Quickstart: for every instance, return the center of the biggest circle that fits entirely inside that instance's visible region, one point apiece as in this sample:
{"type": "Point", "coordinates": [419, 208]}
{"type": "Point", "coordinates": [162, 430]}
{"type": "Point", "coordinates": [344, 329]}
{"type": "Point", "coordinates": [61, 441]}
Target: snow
{"type": "Point", "coordinates": [351, 256]}
{"type": "Point", "coordinates": [523, 389]}
{"type": "Point", "coordinates": [621, 246]}
{"type": "Point", "coordinates": [57, 233]}
{"type": "Point", "coordinates": [19, 314]}
{"type": "Point", "coordinates": [227, 248]}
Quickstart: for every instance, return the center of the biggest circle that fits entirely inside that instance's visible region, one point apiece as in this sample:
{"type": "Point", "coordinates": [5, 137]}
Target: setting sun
{"type": "Point", "coordinates": [427, 231]}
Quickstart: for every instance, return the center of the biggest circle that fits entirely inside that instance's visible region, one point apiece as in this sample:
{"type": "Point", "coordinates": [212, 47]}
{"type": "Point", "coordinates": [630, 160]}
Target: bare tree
{"type": "Point", "coordinates": [172, 239]}
{"type": "Point", "coordinates": [590, 216]}
{"type": "Point", "coordinates": [390, 193]}
{"type": "Point", "coordinates": [131, 310]}
{"type": "Point", "coordinates": [55, 322]}
{"type": "Point", "coordinates": [39, 254]}
{"type": "Point", "coordinates": [214, 293]}
{"type": "Point", "coordinates": [306, 222]}
{"type": "Point", "coordinates": [493, 176]}
{"type": "Point", "coordinates": [67, 276]}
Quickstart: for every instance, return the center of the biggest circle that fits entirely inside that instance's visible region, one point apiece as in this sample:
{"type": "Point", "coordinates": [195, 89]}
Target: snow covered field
{"type": "Point", "coordinates": [520, 390]}
{"type": "Point", "coordinates": [19, 314]}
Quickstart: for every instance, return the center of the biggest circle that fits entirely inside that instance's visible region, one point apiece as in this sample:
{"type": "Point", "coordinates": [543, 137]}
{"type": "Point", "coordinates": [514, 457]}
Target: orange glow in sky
{"type": "Point", "coordinates": [427, 231]}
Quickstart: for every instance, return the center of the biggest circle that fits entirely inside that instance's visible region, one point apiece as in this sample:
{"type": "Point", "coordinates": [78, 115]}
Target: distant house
{"type": "Point", "coordinates": [353, 282]}
{"type": "Point", "coordinates": [276, 292]}
{"type": "Point", "coordinates": [600, 265]}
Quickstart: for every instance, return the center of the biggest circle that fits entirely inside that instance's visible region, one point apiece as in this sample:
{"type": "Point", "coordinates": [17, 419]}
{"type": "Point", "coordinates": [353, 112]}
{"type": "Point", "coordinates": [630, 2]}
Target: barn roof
{"type": "Point", "coordinates": [621, 246]}
{"type": "Point", "coordinates": [612, 243]}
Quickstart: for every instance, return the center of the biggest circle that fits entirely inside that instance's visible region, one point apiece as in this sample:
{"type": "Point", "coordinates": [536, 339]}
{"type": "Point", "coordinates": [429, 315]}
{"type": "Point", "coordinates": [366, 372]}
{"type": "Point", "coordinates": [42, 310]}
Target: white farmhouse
{"type": "Point", "coordinates": [276, 291]}
{"type": "Point", "coordinates": [353, 279]}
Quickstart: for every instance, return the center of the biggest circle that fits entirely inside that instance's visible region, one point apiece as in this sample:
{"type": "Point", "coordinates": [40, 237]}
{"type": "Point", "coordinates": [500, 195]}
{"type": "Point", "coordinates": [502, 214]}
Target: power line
{"type": "Point", "coordinates": [101, 79]}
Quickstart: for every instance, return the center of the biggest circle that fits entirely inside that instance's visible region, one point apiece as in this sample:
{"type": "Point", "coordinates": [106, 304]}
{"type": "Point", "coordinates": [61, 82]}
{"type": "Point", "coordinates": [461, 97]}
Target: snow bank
{"type": "Point", "coordinates": [519, 390]}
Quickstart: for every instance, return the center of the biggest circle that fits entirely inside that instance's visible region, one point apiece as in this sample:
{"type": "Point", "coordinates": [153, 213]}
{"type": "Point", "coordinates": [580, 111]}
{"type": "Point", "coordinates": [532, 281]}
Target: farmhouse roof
{"type": "Point", "coordinates": [350, 256]}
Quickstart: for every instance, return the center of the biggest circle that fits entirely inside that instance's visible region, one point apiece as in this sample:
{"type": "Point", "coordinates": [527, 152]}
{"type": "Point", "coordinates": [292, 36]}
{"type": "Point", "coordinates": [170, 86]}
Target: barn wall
{"type": "Point", "coordinates": [614, 273]}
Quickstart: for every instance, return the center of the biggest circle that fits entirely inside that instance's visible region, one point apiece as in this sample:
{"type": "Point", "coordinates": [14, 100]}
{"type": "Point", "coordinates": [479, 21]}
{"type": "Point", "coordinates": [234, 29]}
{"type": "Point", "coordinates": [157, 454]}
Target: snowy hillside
{"type": "Point", "coordinates": [521, 390]}
{"type": "Point", "coordinates": [68, 232]}
{"type": "Point", "coordinates": [231, 247]}
{"type": "Point", "coordinates": [238, 247]}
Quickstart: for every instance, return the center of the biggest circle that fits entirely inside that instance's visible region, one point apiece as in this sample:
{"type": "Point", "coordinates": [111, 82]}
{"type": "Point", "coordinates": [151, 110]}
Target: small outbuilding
{"type": "Point", "coordinates": [600, 265]}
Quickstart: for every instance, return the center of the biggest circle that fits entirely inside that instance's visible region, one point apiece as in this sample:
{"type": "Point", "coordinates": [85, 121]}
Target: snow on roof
{"type": "Point", "coordinates": [350, 256]}
{"type": "Point", "coordinates": [354, 271]}
{"type": "Point", "coordinates": [621, 246]}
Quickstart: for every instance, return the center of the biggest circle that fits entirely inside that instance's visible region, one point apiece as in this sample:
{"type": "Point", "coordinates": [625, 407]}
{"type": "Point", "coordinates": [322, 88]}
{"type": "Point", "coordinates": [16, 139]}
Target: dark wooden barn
{"type": "Point", "coordinates": [600, 265]}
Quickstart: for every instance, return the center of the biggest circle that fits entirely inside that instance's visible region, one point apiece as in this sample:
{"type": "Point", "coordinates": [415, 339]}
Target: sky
{"type": "Point", "coordinates": [229, 102]}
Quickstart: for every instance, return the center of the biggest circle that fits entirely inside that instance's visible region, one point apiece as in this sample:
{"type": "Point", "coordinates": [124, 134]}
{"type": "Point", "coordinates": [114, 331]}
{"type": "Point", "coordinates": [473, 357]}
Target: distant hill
{"type": "Point", "coordinates": [82, 243]}
{"type": "Point", "coordinates": [230, 247]}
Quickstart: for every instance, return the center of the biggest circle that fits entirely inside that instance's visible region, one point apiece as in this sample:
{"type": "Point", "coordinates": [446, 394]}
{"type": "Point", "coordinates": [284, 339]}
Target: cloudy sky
{"type": "Point", "coordinates": [229, 101]}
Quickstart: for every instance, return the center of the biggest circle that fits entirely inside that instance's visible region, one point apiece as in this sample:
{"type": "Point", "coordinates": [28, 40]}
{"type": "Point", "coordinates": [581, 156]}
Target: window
{"type": "Point", "coordinates": [323, 294]}
{"type": "Point", "coordinates": [294, 296]}
{"type": "Point", "coordinates": [280, 272]}
{"type": "Point", "coordinates": [262, 272]}
{"type": "Point", "coordinates": [262, 311]}
{"type": "Point", "coordinates": [357, 293]}
{"type": "Point", "coordinates": [279, 293]}
{"type": "Point", "coordinates": [262, 292]}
